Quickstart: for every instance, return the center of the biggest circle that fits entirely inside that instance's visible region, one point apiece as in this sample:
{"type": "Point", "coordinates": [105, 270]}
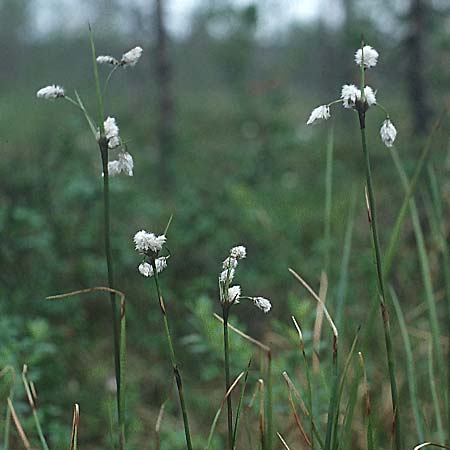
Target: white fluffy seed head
{"type": "Point", "coordinates": [388, 133]}
{"type": "Point", "coordinates": [111, 128]}
{"type": "Point", "coordinates": [262, 303]}
{"type": "Point", "coordinates": [238, 252]}
{"type": "Point", "coordinates": [318, 114]}
{"type": "Point", "coordinates": [50, 92]}
{"type": "Point", "coordinates": [369, 93]}
{"type": "Point", "coordinates": [106, 59]}
{"type": "Point", "coordinates": [130, 58]}
{"type": "Point", "coordinates": [349, 95]}
{"type": "Point", "coordinates": [145, 242]}
{"type": "Point", "coordinates": [234, 292]}
{"type": "Point", "coordinates": [367, 56]}
{"type": "Point", "coordinates": [124, 164]}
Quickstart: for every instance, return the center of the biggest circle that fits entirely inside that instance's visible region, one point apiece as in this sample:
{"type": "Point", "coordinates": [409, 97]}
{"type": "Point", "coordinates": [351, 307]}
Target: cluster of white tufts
{"type": "Point", "coordinates": [149, 245]}
{"type": "Point", "coordinates": [129, 58]}
{"type": "Point", "coordinates": [230, 263]}
{"type": "Point", "coordinates": [352, 97]}
{"type": "Point", "coordinates": [123, 164]}
{"type": "Point", "coordinates": [111, 132]}
{"type": "Point", "coordinates": [230, 295]}
{"type": "Point", "coordinates": [49, 92]}
{"type": "Point", "coordinates": [146, 269]}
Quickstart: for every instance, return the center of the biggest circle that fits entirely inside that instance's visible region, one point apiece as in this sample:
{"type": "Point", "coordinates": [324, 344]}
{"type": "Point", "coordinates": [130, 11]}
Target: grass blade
{"type": "Point", "coordinates": [75, 423]}
{"type": "Point", "coordinates": [31, 395]}
{"type": "Point", "coordinates": [410, 369]}
{"type": "Point", "coordinates": [222, 404]}
{"type": "Point", "coordinates": [370, 441]}
{"type": "Point", "coordinates": [283, 441]}
{"type": "Point", "coordinates": [434, 395]}
{"type": "Point", "coordinates": [238, 410]}
{"type": "Point", "coordinates": [18, 425]}
{"type": "Point", "coordinates": [424, 266]}
{"type": "Point", "coordinates": [308, 381]}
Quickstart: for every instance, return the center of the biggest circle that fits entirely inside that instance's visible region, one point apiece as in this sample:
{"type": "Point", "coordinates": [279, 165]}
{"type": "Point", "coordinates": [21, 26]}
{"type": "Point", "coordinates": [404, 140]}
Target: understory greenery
{"type": "Point", "coordinates": [322, 370]}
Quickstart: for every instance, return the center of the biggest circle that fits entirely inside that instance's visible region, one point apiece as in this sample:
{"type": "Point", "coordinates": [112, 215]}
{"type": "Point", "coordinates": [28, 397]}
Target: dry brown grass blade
{"type": "Point", "coordinates": [297, 418]}
{"type": "Point", "coordinates": [261, 412]}
{"type": "Point", "coordinates": [75, 423]}
{"type": "Point", "coordinates": [319, 321]}
{"type": "Point", "coordinates": [158, 424]}
{"type": "Point", "coordinates": [283, 441]}
{"type": "Point", "coordinates": [254, 341]}
{"type": "Point", "coordinates": [87, 291]}
{"type": "Point", "coordinates": [23, 436]}
{"type": "Point", "coordinates": [291, 388]}
{"type": "Point", "coordinates": [28, 389]}
{"type": "Point", "coordinates": [325, 310]}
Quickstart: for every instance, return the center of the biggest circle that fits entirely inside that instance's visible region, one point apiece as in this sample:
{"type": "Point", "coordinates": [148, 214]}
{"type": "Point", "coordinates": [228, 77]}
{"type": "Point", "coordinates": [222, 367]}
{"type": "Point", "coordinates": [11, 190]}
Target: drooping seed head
{"type": "Point", "coordinates": [51, 92]}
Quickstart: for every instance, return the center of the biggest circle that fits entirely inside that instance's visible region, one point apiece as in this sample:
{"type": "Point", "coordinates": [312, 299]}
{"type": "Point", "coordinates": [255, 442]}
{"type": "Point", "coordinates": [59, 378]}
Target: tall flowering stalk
{"type": "Point", "coordinates": [360, 100]}
{"type": "Point", "coordinates": [106, 134]}
{"type": "Point", "coordinates": [229, 296]}
{"type": "Point", "coordinates": [149, 246]}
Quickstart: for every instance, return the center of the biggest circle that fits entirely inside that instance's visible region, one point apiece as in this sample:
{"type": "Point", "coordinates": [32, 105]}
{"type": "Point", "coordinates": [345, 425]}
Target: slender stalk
{"type": "Point", "coordinates": [101, 116]}
{"type": "Point", "coordinates": [380, 284]}
{"type": "Point", "coordinates": [173, 360]}
{"type": "Point", "coordinates": [269, 403]}
{"type": "Point", "coordinates": [123, 354]}
{"type": "Point", "coordinates": [328, 198]}
{"type": "Point", "coordinates": [226, 351]}
{"type": "Point", "coordinates": [103, 145]}
{"type": "Point", "coordinates": [434, 394]}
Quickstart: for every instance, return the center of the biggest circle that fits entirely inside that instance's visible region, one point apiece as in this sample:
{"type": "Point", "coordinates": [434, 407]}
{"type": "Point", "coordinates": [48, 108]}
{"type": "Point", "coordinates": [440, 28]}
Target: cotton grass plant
{"type": "Point", "coordinates": [106, 134]}
{"type": "Point", "coordinates": [360, 100]}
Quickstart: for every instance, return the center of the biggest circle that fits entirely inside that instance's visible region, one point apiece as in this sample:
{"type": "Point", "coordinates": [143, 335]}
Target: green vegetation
{"type": "Point", "coordinates": [216, 122]}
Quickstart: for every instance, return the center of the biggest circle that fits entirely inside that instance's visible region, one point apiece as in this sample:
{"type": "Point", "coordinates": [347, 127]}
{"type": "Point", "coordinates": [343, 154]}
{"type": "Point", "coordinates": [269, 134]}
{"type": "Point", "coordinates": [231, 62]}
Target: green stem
{"type": "Point", "coordinates": [227, 375]}
{"type": "Point", "coordinates": [269, 405]}
{"type": "Point", "coordinates": [101, 116]}
{"type": "Point", "coordinates": [328, 198]}
{"type": "Point", "coordinates": [173, 360]}
{"type": "Point", "coordinates": [380, 284]}
{"type": "Point", "coordinates": [103, 144]}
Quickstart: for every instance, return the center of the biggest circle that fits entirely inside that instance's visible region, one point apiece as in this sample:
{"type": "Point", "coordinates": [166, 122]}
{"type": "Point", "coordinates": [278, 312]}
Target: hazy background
{"type": "Point", "coordinates": [215, 115]}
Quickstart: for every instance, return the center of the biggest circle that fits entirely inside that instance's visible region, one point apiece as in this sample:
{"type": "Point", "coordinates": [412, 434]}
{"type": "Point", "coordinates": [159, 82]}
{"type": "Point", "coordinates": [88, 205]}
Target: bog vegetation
{"type": "Point", "coordinates": [241, 276]}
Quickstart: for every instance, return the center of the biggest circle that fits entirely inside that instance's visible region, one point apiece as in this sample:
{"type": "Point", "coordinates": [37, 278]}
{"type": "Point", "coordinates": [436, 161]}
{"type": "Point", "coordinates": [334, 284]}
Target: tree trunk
{"type": "Point", "coordinates": [416, 66]}
{"type": "Point", "coordinates": [163, 74]}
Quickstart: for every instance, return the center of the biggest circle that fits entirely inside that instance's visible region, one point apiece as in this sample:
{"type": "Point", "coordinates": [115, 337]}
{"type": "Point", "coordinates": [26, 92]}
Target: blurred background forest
{"type": "Point", "coordinates": [215, 116]}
